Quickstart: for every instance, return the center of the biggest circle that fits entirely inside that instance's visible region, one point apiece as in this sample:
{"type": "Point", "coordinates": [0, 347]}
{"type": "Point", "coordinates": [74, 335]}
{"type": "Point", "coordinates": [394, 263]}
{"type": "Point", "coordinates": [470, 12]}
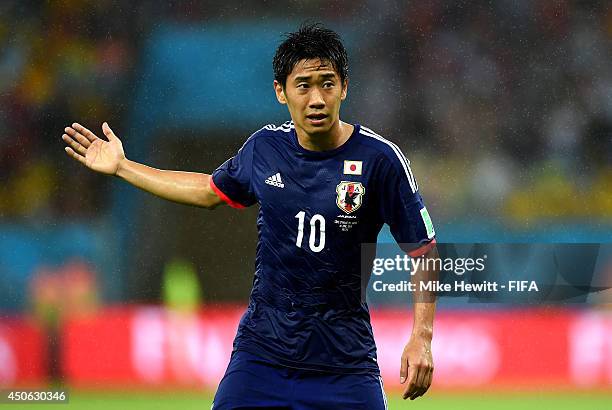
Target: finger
{"type": "Point", "coordinates": [88, 134]}
{"type": "Point", "coordinates": [76, 135]}
{"type": "Point", "coordinates": [420, 383]}
{"type": "Point", "coordinates": [413, 373]}
{"type": "Point", "coordinates": [403, 370]}
{"type": "Point", "coordinates": [74, 145]}
{"type": "Point", "coordinates": [428, 380]}
{"type": "Point", "coordinates": [82, 140]}
{"type": "Point", "coordinates": [76, 156]}
{"type": "Point", "coordinates": [108, 132]}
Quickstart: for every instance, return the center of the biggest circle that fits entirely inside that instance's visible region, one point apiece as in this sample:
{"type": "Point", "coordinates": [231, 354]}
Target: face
{"type": "Point", "coordinates": [313, 93]}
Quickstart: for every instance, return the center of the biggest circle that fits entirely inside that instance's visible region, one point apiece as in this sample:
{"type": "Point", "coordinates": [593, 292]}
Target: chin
{"type": "Point", "coordinates": [318, 129]}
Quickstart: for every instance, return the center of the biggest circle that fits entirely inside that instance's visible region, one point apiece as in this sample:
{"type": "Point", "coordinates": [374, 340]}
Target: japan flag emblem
{"type": "Point", "coordinates": [349, 196]}
{"type": "Point", "coordinates": [353, 167]}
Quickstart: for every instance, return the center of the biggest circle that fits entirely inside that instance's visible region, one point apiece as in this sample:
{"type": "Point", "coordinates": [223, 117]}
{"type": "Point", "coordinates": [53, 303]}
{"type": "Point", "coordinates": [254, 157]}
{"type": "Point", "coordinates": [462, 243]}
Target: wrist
{"type": "Point", "coordinates": [424, 333]}
{"type": "Point", "coordinates": [121, 167]}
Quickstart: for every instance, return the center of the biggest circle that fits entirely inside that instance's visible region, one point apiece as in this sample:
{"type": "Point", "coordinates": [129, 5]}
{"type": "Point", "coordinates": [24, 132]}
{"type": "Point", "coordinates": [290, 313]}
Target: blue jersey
{"type": "Point", "coordinates": [316, 209]}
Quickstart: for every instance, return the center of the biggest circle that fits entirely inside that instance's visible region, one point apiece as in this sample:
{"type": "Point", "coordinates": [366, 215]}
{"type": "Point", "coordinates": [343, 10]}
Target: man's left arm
{"type": "Point", "coordinates": [401, 207]}
{"type": "Point", "coordinates": [416, 370]}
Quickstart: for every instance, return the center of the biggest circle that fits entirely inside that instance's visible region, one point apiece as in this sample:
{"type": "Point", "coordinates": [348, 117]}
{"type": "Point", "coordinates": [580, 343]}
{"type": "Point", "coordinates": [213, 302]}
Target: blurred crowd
{"type": "Point", "coordinates": [60, 61]}
{"type": "Point", "coordinates": [504, 107]}
{"type": "Point", "coordinates": [509, 104]}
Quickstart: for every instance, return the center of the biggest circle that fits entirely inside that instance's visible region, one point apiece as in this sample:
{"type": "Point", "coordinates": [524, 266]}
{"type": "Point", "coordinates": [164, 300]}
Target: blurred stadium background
{"type": "Point", "coordinates": [504, 108]}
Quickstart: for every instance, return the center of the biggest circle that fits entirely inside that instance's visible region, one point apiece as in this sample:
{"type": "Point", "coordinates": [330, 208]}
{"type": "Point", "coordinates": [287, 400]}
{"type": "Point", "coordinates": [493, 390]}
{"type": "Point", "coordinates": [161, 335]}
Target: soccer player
{"type": "Point", "coordinates": [324, 187]}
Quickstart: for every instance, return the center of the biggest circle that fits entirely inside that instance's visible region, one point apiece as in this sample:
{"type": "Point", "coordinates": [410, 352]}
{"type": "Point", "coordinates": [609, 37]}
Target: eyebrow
{"type": "Point", "coordinates": [308, 77]}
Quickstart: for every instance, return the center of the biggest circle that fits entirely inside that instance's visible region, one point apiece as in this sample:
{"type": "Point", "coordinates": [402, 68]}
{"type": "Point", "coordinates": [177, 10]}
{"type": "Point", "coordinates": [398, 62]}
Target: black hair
{"type": "Point", "coordinates": [311, 41]}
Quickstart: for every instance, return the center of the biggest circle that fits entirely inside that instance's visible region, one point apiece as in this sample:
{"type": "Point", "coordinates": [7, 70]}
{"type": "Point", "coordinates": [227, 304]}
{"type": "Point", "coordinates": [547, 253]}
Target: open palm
{"type": "Point", "coordinates": [95, 153]}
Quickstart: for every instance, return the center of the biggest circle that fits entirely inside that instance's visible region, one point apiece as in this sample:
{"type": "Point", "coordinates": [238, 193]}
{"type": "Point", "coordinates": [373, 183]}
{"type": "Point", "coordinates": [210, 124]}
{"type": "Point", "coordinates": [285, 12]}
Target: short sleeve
{"type": "Point", "coordinates": [232, 180]}
{"type": "Point", "coordinates": [401, 206]}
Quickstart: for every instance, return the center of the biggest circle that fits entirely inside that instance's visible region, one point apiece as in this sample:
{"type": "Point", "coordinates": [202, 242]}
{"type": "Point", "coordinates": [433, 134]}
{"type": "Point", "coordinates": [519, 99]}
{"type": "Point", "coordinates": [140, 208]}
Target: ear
{"type": "Point", "coordinates": [344, 90]}
{"type": "Point", "coordinates": [280, 93]}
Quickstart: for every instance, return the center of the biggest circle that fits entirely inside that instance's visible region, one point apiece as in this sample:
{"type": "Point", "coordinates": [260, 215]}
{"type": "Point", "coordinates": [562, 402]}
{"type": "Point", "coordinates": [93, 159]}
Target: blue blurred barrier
{"type": "Point", "coordinates": [26, 249]}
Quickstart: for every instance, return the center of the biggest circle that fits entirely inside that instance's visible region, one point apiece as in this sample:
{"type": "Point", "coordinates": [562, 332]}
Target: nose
{"type": "Point", "coordinates": [316, 99]}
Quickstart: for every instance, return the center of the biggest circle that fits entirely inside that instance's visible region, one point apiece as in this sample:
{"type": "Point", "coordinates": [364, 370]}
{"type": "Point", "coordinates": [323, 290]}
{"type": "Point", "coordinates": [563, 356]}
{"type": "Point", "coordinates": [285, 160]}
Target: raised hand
{"type": "Point", "coordinates": [93, 152]}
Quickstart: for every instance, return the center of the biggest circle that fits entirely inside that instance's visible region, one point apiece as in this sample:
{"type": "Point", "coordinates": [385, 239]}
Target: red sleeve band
{"type": "Point", "coordinates": [423, 249]}
{"type": "Point", "coordinates": [224, 197]}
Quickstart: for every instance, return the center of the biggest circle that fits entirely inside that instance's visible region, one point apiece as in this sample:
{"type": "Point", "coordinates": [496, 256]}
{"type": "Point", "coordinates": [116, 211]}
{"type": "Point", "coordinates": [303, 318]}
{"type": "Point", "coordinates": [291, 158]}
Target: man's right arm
{"type": "Point", "coordinates": [108, 157]}
{"type": "Point", "coordinates": [189, 188]}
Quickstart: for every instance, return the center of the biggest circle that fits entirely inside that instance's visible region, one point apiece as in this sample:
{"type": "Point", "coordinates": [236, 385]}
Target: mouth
{"type": "Point", "coordinates": [316, 119]}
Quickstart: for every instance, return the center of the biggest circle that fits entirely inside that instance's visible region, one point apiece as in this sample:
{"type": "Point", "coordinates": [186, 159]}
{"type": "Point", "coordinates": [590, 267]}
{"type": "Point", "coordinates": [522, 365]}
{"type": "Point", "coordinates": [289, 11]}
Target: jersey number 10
{"type": "Point", "coordinates": [316, 219]}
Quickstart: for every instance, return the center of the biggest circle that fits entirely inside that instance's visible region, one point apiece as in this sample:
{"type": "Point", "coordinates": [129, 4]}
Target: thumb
{"type": "Point", "coordinates": [108, 132]}
{"type": "Point", "coordinates": [403, 369]}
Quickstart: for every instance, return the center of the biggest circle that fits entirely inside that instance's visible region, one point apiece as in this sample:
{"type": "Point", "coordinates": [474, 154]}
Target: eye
{"type": "Point", "coordinates": [302, 85]}
{"type": "Point", "coordinates": [328, 84]}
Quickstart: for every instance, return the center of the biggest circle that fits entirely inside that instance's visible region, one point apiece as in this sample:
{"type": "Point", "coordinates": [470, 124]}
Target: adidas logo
{"type": "Point", "coordinates": [275, 180]}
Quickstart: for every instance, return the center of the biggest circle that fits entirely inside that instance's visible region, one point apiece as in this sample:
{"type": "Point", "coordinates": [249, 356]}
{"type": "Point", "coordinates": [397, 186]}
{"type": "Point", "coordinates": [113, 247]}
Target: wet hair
{"type": "Point", "coordinates": [311, 41]}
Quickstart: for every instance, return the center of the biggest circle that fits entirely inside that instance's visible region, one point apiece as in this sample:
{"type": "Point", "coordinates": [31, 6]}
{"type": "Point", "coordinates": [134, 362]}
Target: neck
{"type": "Point", "coordinates": [335, 137]}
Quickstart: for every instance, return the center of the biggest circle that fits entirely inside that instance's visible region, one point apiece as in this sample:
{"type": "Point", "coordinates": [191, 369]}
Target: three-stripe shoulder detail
{"type": "Point", "coordinates": [400, 156]}
{"type": "Point", "coordinates": [285, 127]}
